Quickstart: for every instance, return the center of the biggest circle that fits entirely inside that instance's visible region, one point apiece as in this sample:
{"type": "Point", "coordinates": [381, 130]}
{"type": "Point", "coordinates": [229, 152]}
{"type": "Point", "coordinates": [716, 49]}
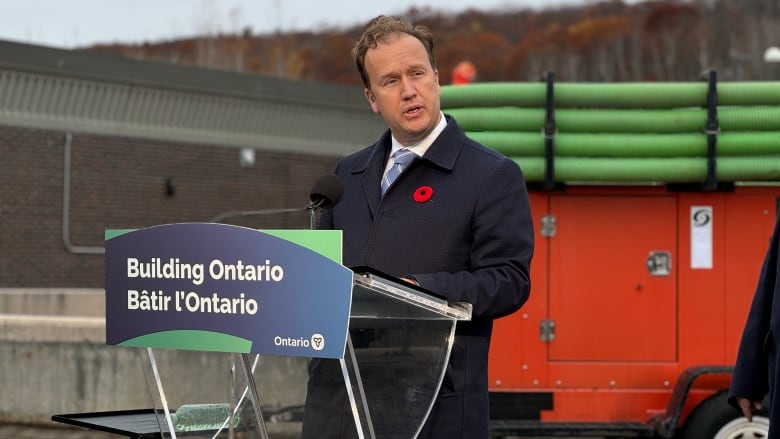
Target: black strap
{"type": "Point", "coordinates": [549, 133]}
{"type": "Point", "coordinates": [712, 128]}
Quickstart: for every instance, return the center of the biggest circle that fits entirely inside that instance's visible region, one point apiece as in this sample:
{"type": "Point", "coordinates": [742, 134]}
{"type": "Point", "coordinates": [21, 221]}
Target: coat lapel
{"type": "Point", "coordinates": [443, 153]}
{"type": "Point", "coordinates": [370, 171]}
{"type": "Point", "coordinates": [445, 150]}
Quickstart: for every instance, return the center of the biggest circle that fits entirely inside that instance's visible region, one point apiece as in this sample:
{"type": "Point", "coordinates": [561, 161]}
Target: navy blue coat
{"type": "Point", "coordinates": [472, 241]}
{"type": "Point", "coordinates": [756, 373]}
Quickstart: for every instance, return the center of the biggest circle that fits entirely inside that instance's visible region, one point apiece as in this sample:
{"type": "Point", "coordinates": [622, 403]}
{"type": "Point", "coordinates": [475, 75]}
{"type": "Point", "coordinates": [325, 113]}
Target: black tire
{"type": "Point", "coordinates": [714, 418]}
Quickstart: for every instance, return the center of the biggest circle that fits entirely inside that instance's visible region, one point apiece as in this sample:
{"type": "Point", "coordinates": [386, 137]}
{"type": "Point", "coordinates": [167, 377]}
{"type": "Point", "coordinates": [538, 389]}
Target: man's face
{"type": "Point", "coordinates": [403, 88]}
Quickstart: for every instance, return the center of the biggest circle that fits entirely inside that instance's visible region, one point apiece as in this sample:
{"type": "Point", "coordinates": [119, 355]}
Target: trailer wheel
{"type": "Point", "coordinates": [716, 419]}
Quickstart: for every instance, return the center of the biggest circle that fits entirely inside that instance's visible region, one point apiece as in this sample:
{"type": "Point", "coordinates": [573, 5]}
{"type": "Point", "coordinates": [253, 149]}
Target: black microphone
{"type": "Point", "coordinates": [326, 192]}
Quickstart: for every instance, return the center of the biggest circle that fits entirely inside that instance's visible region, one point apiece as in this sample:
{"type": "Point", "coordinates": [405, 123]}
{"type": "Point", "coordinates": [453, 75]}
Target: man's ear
{"type": "Point", "coordinates": [371, 100]}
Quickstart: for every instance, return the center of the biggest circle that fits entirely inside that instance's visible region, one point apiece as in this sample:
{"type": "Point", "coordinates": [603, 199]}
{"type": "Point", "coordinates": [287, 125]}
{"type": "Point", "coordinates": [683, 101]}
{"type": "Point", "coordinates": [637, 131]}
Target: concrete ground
{"type": "Point", "coordinates": [16, 431]}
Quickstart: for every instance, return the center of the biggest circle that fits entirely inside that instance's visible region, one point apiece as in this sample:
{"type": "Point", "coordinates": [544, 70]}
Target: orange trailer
{"type": "Point", "coordinates": [639, 296]}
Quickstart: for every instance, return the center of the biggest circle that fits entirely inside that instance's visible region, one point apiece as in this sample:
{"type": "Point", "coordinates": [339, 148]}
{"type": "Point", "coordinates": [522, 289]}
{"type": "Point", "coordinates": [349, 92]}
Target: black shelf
{"type": "Point", "coordinates": [138, 424]}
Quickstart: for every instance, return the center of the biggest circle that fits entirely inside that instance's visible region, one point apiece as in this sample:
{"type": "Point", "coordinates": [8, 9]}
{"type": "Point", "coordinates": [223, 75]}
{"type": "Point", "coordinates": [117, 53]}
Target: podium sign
{"type": "Point", "coordinates": [218, 287]}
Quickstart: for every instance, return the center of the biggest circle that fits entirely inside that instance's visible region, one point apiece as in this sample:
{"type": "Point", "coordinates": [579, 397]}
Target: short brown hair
{"type": "Point", "coordinates": [378, 29]}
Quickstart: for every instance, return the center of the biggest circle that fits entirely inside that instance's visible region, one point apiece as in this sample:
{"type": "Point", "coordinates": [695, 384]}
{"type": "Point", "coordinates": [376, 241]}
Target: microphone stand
{"type": "Point", "coordinates": [234, 213]}
{"type": "Point", "coordinates": [312, 208]}
{"type": "Point", "coordinates": [325, 190]}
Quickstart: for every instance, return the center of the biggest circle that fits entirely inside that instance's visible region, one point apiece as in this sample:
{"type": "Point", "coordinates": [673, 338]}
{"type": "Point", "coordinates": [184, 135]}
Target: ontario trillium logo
{"type": "Point", "coordinates": [317, 342]}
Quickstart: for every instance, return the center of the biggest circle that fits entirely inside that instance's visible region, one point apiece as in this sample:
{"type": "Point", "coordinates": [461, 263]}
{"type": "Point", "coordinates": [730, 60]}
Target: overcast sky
{"type": "Point", "coordinates": [78, 23]}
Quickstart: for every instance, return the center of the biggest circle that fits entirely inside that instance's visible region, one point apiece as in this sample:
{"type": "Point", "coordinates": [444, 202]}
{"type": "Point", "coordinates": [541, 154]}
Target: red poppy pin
{"type": "Point", "coordinates": [423, 194]}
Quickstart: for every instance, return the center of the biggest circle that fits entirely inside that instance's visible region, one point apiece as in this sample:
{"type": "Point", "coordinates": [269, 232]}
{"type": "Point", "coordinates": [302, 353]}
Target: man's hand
{"type": "Point", "coordinates": [409, 280]}
{"type": "Point", "coordinates": [748, 406]}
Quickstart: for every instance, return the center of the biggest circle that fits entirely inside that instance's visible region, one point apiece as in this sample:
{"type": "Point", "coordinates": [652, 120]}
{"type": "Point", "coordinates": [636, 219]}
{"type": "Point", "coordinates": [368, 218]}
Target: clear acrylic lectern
{"type": "Point", "coordinates": [397, 350]}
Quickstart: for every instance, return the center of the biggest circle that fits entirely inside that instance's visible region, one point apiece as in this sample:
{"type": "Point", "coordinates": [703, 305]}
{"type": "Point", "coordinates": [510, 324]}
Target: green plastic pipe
{"type": "Point", "coordinates": [616, 121]}
{"type": "Point", "coordinates": [520, 143]}
{"type": "Point", "coordinates": [650, 95]}
{"type": "Point", "coordinates": [626, 132]}
{"type": "Point", "coordinates": [653, 170]}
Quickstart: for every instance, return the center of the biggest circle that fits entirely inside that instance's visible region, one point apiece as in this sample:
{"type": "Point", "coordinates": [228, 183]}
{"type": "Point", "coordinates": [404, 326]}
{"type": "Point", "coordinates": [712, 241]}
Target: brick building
{"type": "Point", "coordinates": [90, 142]}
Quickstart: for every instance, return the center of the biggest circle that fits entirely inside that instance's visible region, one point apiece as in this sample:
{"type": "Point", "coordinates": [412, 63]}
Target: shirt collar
{"type": "Point", "coordinates": [422, 146]}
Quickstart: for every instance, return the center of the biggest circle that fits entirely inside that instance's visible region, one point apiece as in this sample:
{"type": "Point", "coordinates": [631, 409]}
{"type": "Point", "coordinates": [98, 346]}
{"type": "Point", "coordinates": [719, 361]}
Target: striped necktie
{"type": "Point", "coordinates": [401, 160]}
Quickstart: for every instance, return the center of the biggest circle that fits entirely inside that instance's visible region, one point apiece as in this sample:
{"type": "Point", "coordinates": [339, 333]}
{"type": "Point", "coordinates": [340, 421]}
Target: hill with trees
{"type": "Point", "coordinates": [605, 41]}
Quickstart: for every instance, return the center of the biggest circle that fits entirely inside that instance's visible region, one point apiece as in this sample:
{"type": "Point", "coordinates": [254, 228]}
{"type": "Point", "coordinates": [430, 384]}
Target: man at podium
{"type": "Point", "coordinates": [427, 204]}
